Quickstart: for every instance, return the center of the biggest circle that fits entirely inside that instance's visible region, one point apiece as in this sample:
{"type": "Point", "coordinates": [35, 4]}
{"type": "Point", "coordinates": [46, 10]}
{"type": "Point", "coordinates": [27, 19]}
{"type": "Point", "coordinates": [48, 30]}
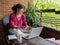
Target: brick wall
{"type": "Point", "coordinates": [5, 6]}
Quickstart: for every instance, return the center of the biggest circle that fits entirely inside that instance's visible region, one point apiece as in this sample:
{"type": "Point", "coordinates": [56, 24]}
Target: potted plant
{"type": "Point", "coordinates": [33, 18]}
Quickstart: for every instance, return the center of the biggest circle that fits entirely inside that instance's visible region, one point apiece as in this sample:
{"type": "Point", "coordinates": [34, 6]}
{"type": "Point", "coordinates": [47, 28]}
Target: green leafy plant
{"type": "Point", "coordinates": [33, 18]}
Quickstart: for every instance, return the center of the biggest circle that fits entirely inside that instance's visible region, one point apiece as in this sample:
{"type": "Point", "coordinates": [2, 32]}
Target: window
{"type": "Point", "coordinates": [50, 19]}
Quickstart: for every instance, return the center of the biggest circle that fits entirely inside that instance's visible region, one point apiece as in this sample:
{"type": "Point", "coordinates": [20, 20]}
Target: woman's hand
{"type": "Point", "coordinates": [27, 27]}
{"type": "Point", "coordinates": [16, 26]}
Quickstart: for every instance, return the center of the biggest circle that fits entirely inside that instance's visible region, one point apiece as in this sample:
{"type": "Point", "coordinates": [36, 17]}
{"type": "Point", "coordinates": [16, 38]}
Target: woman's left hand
{"type": "Point", "coordinates": [27, 27]}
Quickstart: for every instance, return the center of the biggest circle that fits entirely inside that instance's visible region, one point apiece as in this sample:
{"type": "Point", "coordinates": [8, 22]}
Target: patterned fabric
{"type": "Point", "coordinates": [14, 21]}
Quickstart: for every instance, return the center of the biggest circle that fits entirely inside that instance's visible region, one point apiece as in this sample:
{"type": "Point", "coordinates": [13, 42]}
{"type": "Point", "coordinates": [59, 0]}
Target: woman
{"type": "Point", "coordinates": [18, 19]}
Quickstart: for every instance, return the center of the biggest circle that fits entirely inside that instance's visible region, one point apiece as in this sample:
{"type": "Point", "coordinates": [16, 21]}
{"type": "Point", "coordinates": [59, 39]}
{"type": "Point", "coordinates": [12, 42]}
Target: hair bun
{"type": "Point", "coordinates": [14, 8]}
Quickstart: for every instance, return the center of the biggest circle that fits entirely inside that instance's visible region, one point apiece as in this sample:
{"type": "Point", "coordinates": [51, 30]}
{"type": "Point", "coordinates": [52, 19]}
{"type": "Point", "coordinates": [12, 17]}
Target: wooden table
{"type": "Point", "coordinates": [35, 41]}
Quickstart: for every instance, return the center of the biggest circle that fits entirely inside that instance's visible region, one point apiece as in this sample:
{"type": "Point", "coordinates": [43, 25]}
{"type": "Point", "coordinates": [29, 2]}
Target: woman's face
{"type": "Point", "coordinates": [20, 11]}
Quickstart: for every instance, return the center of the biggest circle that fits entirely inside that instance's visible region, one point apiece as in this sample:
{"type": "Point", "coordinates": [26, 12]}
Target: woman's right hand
{"type": "Point", "coordinates": [16, 26]}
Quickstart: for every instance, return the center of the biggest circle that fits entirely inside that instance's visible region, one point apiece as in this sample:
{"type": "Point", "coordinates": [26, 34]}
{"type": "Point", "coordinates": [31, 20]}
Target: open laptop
{"type": "Point", "coordinates": [34, 33]}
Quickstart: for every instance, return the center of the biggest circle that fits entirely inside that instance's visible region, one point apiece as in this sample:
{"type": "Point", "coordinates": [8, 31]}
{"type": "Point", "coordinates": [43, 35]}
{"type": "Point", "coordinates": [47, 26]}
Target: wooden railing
{"type": "Point", "coordinates": [50, 21]}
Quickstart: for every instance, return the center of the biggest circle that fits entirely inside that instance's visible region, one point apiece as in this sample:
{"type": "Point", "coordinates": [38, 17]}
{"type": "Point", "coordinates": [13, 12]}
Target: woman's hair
{"type": "Point", "coordinates": [18, 6]}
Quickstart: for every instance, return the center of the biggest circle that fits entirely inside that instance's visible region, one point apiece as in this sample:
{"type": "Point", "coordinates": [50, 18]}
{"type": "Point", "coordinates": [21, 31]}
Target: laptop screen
{"type": "Point", "coordinates": [35, 32]}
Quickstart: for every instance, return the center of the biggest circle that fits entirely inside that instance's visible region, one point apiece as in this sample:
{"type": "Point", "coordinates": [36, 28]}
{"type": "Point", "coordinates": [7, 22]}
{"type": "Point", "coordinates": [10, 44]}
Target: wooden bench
{"type": "Point", "coordinates": [48, 32]}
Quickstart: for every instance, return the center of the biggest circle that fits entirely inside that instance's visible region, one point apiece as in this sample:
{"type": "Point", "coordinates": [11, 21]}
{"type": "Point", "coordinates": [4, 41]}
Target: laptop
{"type": "Point", "coordinates": [34, 33]}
